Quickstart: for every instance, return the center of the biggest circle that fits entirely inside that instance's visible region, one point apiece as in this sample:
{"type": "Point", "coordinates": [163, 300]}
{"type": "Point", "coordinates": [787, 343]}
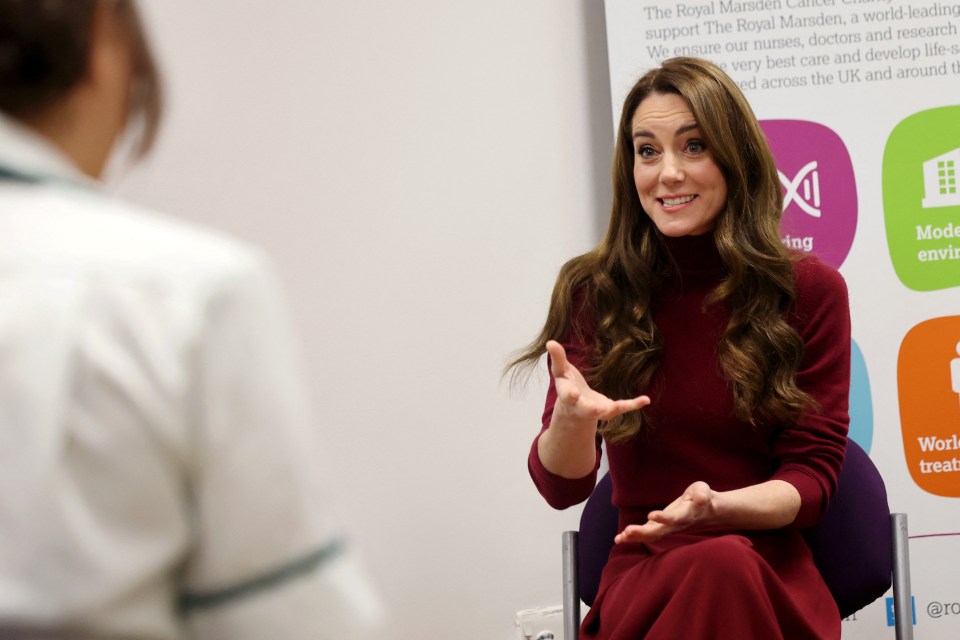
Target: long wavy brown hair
{"type": "Point", "coordinates": [759, 353]}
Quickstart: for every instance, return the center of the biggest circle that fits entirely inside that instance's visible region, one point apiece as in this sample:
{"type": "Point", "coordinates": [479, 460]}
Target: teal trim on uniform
{"type": "Point", "coordinates": [7, 174]}
{"type": "Point", "coordinates": [307, 564]}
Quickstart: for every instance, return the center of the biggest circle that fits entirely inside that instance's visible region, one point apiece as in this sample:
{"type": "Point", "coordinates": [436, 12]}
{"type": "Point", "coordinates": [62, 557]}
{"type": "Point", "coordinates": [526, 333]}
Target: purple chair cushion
{"type": "Point", "coordinates": [851, 544]}
{"type": "Point", "coordinates": [598, 527]}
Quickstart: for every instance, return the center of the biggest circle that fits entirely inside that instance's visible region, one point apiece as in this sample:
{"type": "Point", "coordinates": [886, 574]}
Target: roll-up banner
{"type": "Point", "coordinates": [860, 101]}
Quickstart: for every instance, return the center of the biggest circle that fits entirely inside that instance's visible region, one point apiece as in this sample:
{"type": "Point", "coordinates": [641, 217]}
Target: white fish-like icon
{"type": "Point", "coordinates": [807, 179]}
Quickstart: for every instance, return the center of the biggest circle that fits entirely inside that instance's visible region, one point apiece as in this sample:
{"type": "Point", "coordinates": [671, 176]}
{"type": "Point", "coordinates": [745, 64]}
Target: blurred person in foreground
{"type": "Point", "coordinates": [157, 465]}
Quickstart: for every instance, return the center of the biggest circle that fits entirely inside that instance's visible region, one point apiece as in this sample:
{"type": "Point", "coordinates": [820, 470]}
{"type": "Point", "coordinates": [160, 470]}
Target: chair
{"type": "Point", "coordinates": [858, 545]}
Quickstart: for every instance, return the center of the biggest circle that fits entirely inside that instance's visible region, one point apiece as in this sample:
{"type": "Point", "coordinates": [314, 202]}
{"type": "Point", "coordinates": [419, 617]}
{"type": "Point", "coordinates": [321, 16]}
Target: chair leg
{"type": "Point", "coordinates": [902, 596]}
{"type": "Point", "coordinates": [571, 587]}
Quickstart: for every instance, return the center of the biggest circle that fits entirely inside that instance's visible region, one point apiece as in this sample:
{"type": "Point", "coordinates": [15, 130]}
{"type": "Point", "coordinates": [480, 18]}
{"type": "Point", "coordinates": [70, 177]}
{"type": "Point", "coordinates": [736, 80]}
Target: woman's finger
{"type": "Point", "coordinates": [567, 391]}
{"type": "Point", "coordinates": [648, 532]}
{"type": "Point", "coordinates": [623, 406]}
{"type": "Point", "coordinates": [558, 358]}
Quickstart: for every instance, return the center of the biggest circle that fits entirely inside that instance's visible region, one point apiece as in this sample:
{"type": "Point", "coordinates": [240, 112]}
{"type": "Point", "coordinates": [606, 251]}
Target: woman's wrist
{"type": "Point", "coordinates": [769, 505]}
{"type": "Point", "coordinates": [568, 451]}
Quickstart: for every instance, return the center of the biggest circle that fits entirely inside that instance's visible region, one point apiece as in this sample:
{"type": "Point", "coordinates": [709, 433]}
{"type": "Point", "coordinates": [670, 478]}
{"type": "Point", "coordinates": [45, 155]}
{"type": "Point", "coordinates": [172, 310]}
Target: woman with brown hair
{"type": "Point", "coordinates": [158, 467]}
{"type": "Point", "coordinates": [713, 362]}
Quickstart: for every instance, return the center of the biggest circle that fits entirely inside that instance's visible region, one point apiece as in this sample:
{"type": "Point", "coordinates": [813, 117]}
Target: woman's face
{"type": "Point", "coordinates": [680, 186]}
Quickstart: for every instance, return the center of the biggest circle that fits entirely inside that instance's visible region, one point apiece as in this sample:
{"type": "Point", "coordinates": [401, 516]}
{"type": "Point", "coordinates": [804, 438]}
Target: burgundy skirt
{"type": "Point", "coordinates": [710, 586]}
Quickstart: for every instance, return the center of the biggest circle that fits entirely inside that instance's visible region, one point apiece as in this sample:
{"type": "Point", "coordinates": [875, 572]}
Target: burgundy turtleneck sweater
{"type": "Point", "coordinates": [695, 434]}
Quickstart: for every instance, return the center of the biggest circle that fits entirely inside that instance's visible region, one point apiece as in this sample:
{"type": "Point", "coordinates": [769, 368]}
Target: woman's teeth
{"type": "Point", "coordinates": [675, 201]}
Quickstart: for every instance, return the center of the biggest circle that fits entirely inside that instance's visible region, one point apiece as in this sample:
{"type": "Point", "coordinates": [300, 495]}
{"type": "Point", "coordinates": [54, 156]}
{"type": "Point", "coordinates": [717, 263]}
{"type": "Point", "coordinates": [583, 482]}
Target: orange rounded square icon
{"type": "Point", "coordinates": [928, 379]}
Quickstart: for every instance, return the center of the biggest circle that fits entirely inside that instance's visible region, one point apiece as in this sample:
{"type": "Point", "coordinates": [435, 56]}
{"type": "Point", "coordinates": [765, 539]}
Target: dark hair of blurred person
{"type": "Point", "coordinates": [53, 58]}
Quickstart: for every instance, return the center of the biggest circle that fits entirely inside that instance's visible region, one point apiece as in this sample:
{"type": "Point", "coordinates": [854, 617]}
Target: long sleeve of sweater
{"type": "Point", "coordinates": [560, 492]}
{"type": "Point", "coordinates": [811, 452]}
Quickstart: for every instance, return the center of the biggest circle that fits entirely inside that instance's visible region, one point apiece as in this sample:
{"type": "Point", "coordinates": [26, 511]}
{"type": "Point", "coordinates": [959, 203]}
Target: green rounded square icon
{"type": "Point", "coordinates": [921, 199]}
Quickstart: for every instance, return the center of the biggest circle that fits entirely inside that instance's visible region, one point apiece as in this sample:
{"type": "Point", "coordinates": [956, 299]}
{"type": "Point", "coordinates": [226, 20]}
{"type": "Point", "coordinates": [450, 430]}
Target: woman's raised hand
{"type": "Point", "coordinates": [569, 447]}
{"type": "Point", "coordinates": [576, 401]}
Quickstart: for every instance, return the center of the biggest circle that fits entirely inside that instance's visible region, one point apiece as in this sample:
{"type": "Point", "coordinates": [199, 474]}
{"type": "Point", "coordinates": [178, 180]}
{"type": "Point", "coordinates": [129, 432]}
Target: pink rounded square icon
{"type": "Point", "coordinates": [819, 188]}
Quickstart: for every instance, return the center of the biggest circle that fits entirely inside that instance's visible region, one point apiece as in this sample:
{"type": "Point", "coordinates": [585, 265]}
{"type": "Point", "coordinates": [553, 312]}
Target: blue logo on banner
{"type": "Point", "coordinates": [913, 606]}
{"type": "Point", "coordinates": [861, 403]}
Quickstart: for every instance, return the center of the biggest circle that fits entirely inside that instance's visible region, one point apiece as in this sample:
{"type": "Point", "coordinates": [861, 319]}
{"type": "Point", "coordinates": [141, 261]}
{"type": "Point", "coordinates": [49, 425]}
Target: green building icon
{"type": "Point", "coordinates": [940, 181]}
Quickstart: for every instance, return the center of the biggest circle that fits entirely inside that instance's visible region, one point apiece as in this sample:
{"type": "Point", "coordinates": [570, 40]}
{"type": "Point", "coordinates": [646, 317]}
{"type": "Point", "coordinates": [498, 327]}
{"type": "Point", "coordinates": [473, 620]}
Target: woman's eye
{"type": "Point", "coordinates": [646, 151]}
{"type": "Point", "coordinates": [696, 146]}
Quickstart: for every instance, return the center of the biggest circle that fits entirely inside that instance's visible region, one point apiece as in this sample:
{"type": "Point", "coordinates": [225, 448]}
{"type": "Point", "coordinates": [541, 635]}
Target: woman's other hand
{"type": "Point", "coordinates": [768, 505]}
{"type": "Point", "coordinates": [696, 507]}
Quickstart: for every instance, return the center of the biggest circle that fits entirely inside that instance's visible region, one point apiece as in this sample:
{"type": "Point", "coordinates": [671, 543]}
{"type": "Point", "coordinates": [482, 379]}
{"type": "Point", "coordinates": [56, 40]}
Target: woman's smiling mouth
{"type": "Point", "coordinates": [672, 202]}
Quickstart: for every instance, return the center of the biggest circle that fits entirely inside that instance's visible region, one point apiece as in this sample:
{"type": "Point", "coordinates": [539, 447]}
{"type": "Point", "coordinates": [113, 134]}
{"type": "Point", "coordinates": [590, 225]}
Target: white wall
{"type": "Point", "coordinates": [419, 171]}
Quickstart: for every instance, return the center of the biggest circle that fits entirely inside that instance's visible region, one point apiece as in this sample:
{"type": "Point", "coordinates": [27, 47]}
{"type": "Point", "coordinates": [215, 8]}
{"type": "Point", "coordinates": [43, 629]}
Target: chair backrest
{"type": "Point", "coordinates": [851, 543]}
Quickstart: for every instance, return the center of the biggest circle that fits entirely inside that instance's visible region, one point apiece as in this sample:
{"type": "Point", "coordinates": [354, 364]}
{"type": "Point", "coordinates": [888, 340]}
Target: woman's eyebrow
{"type": "Point", "coordinates": [644, 133]}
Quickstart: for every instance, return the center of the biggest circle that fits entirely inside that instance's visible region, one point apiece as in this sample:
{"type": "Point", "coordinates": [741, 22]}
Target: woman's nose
{"type": "Point", "coordinates": [672, 170]}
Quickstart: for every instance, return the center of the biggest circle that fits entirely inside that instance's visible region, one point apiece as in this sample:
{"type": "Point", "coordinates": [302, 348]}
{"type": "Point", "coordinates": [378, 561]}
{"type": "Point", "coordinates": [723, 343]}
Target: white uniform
{"type": "Point", "coordinates": [157, 468]}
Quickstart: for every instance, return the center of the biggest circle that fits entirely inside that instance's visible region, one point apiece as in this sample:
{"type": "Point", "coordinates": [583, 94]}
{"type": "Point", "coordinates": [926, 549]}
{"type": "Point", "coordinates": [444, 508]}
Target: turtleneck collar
{"type": "Point", "coordinates": [694, 254]}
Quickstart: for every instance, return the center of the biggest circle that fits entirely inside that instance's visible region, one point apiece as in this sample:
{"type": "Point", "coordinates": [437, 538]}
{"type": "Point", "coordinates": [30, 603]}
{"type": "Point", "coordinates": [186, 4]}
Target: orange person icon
{"type": "Point", "coordinates": [929, 409]}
